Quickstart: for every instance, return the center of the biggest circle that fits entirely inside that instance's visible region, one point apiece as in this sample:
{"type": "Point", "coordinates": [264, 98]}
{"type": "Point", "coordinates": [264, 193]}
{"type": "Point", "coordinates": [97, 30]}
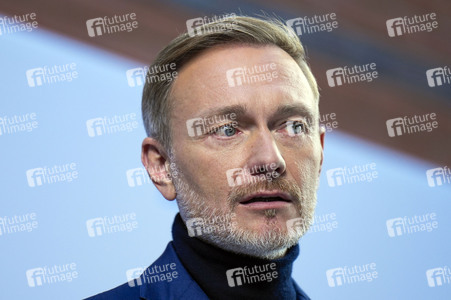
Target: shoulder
{"type": "Point", "coordinates": [166, 278]}
{"type": "Point", "coordinates": [300, 294]}
{"type": "Point", "coordinates": [124, 291]}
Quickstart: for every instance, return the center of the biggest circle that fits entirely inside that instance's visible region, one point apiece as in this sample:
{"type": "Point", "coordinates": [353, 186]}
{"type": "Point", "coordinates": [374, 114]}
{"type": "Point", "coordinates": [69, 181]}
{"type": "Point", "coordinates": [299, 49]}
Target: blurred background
{"type": "Point", "coordinates": [45, 124]}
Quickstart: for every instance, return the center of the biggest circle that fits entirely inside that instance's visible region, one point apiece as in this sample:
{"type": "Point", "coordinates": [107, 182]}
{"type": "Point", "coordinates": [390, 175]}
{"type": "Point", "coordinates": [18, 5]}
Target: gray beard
{"type": "Point", "coordinates": [274, 241]}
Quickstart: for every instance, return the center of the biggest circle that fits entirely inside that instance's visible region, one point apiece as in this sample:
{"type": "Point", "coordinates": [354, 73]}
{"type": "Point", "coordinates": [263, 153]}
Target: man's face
{"type": "Point", "coordinates": [266, 127]}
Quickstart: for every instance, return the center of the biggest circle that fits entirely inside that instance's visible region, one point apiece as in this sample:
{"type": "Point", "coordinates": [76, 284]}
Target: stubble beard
{"type": "Point", "coordinates": [272, 240]}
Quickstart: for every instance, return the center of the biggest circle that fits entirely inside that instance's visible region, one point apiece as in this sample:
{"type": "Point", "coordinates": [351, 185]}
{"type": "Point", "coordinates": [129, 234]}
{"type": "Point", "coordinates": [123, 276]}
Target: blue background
{"type": "Point", "coordinates": [62, 209]}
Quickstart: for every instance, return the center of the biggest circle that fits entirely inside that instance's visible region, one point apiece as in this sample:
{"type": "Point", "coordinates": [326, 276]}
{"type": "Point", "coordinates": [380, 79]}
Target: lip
{"type": "Point", "coordinates": [287, 200]}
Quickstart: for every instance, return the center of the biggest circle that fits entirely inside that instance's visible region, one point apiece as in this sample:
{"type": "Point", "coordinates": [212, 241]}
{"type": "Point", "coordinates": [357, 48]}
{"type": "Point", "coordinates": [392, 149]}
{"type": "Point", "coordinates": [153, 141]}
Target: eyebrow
{"type": "Point", "coordinates": [294, 109]}
{"type": "Point", "coordinates": [241, 110]}
{"type": "Point", "coordinates": [238, 109]}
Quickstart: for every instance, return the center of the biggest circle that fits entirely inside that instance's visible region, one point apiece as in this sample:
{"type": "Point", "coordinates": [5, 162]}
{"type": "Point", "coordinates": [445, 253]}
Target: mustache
{"type": "Point", "coordinates": [281, 184]}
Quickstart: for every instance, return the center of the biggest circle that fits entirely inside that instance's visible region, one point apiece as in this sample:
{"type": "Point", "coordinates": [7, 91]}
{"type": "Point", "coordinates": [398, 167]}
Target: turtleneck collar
{"type": "Point", "coordinates": [224, 275]}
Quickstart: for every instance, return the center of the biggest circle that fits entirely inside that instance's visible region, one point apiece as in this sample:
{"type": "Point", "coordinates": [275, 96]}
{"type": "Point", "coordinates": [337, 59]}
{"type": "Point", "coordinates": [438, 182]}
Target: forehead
{"type": "Point", "coordinates": [212, 80]}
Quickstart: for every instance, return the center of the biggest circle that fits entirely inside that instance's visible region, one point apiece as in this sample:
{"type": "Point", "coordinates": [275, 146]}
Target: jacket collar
{"type": "Point", "coordinates": [183, 287]}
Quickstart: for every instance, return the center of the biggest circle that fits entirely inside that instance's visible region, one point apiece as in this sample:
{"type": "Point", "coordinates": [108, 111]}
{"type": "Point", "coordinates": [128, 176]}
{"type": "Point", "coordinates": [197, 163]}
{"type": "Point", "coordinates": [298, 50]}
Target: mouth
{"type": "Point", "coordinates": [266, 200]}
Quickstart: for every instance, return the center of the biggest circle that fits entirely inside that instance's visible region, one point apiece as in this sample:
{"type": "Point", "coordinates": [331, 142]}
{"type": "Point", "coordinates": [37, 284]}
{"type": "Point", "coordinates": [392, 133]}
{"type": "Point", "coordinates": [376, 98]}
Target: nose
{"type": "Point", "coordinates": [265, 156]}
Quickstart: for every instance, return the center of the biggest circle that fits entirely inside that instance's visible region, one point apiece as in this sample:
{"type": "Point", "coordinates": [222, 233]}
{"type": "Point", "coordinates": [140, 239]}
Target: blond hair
{"type": "Point", "coordinates": [156, 105]}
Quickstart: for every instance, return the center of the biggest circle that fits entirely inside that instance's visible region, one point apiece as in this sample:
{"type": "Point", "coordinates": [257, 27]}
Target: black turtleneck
{"type": "Point", "coordinates": [208, 265]}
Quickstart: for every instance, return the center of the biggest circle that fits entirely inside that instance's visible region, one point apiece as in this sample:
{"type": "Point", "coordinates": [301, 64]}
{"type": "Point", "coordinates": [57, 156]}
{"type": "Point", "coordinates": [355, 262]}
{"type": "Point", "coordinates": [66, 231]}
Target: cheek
{"type": "Point", "coordinates": [205, 174]}
{"type": "Point", "coordinates": [305, 165]}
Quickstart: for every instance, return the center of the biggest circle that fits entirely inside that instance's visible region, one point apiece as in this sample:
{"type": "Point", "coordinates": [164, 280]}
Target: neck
{"type": "Point", "coordinates": [223, 274]}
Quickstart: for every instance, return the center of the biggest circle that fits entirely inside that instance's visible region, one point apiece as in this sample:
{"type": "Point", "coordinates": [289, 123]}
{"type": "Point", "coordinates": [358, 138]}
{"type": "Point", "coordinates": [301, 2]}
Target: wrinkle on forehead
{"type": "Point", "coordinates": [202, 82]}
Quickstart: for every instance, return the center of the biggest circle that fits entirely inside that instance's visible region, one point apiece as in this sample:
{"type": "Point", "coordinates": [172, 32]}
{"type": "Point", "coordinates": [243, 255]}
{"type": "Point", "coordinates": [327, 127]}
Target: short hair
{"type": "Point", "coordinates": [156, 105]}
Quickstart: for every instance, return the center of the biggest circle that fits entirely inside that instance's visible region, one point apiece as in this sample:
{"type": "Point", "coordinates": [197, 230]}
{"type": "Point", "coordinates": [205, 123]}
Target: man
{"type": "Point", "coordinates": [235, 139]}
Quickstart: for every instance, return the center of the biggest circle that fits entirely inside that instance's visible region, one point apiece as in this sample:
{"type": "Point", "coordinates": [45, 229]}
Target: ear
{"type": "Point", "coordinates": [322, 134]}
{"type": "Point", "coordinates": [155, 160]}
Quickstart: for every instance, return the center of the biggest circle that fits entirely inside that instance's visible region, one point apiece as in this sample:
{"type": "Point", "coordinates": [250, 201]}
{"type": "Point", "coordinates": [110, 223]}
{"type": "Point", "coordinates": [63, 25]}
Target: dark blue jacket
{"type": "Point", "coordinates": [181, 288]}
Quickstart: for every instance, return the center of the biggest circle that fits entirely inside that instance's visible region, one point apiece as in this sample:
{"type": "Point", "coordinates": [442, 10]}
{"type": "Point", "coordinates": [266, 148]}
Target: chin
{"type": "Point", "coordinates": [269, 220]}
{"type": "Point", "coordinates": [266, 241]}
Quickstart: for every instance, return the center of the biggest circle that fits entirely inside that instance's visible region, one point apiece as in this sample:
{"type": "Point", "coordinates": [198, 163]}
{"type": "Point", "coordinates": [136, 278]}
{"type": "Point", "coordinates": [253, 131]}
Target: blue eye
{"type": "Point", "coordinates": [295, 128]}
{"type": "Point", "coordinates": [226, 130]}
